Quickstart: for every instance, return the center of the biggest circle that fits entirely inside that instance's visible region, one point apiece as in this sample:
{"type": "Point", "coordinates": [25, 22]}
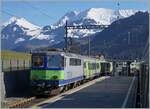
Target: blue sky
{"type": "Point", "coordinates": [49, 12]}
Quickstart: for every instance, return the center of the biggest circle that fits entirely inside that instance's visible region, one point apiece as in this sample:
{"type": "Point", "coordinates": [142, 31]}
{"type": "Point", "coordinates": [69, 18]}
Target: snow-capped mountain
{"type": "Point", "coordinates": [21, 22]}
{"type": "Point", "coordinates": [27, 27]}
{"type": "Point", "coordinates": [100, 16]}
{"type": "Point", "coordinates": [19, 31]}
{"type": "Point", "coordinates": [93, 16]}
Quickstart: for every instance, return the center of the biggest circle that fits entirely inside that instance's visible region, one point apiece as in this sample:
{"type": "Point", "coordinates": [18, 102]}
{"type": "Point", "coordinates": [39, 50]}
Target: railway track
{"type": "Point", "coordinates": [16, 102]}
{"type": "Point", "coordinates": [34, 101]}
{"type": "Point", "coordinates": [23, 103]}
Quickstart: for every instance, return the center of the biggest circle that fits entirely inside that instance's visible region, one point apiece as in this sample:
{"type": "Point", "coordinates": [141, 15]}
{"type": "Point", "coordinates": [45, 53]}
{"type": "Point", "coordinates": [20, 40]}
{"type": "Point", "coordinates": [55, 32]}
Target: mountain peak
{"type": "Point", "coordinates": [26, 27]}
{"type": "Point", "coordinates": [69, 16]}
{"type": "Point", "coordinates": [102, 16]}
{"type": "Point", "coordinates": [72, 13]}
{"type": "Point", "coordinates": [11, 20]}
{"type": "Point", "coordinates": [22, 22]}
{"type": "Point", "coordinates": [99, 9]}
{"type": "Point", "coordinates": [125, 13]}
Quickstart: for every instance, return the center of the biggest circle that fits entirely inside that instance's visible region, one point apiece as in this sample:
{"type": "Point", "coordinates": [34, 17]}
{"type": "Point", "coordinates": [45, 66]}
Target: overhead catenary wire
{"type": "Point", "coordinates": [34, 7]}
{"type": "Point", "coordinates": [39, 10]}
{"type": "Point", "coordinates": [10, 14]}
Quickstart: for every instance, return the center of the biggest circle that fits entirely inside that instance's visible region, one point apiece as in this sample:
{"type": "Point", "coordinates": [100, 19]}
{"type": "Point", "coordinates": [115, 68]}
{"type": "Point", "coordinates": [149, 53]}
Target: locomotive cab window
{"type": "Point", "coordinates": [38, 61]}
{"type": "Point", "coordinates": [55, 61]}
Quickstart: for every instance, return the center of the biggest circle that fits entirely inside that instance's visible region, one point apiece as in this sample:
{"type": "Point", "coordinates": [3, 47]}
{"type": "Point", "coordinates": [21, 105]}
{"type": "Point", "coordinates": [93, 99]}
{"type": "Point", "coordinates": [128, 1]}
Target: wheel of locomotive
{"type": "Point", "coordinates": [65, 88]}
{"type": "Point", "coordinates": [71, 85]}
{"type": "Point", "coordinates": [78, 83]}
{"type": "Point", "coordinates": [56, 91]}
{"type": "Point", "coordinates": [61, 88]}
{"type": "Point", "coordinates": [75, 84]}
{"type": "Point", "coordinates": [82, 81]}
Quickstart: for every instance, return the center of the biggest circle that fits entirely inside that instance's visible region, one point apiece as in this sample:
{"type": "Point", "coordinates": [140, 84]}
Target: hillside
{"type": "Point", "coordinates": [123, 38]}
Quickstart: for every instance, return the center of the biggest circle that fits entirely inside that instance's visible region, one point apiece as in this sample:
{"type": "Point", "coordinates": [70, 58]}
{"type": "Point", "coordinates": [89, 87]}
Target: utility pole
{"type": "Point", "coordinates": [81, 27]}
{"type": "Point", "coordinates": [128, 38]}
{"type": "Point", "coordinates": [66, 37]}
{"type": "Point", "coordinates": [6, 44]}
{"type": "Point", "coordinates": [89, 45]}
{"type": "Point", "coordinates": [128, 68]}
{"type": "Point", "coordinates": [118, 4]}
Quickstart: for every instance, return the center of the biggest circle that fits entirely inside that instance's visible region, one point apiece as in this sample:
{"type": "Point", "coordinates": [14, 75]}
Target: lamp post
{"type": "Point", "coordinates": [66, 37]}
{"type": "Point", "coordinates": [89, 45]}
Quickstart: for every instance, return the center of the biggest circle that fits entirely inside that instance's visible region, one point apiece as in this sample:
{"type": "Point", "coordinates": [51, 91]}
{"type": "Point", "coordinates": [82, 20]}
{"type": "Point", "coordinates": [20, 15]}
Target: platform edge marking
{"type": "Point", "coordinates": [128, 93]}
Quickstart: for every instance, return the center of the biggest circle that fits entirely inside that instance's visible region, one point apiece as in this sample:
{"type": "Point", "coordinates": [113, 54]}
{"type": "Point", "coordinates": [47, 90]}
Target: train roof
{"type": "Point", "coordinates": [66, 54]}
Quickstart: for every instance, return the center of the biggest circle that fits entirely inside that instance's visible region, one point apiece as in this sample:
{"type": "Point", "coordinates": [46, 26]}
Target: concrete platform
{"type": "Point", "coordinates": [113, 92]}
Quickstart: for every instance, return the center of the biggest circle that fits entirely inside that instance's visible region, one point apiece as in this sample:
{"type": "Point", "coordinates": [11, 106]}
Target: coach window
{"type": "Point", "coordinates": [94, 66]}
{"type": "Point", "coordinates": [78, 62]}
{"type": "Point", "coordinates": [89, 66]}
{"type": "Point", "coordinates": [72, 62]}
{"type": "Point", "coordinates": [75, 62]}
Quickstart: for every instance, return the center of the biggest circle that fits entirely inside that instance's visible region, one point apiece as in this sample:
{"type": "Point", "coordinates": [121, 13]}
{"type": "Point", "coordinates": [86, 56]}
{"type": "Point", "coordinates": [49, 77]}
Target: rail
{"type": "Point", "coordinates": [17, 104]}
